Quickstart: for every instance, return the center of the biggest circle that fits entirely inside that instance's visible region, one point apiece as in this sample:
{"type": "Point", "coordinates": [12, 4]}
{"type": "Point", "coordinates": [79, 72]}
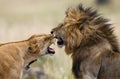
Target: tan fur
{"type": "Point", "coordinates": [15, 56]}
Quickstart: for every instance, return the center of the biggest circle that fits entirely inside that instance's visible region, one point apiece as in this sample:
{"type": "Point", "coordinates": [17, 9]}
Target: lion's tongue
{"type": "Point", "coordinates": [51, 51]}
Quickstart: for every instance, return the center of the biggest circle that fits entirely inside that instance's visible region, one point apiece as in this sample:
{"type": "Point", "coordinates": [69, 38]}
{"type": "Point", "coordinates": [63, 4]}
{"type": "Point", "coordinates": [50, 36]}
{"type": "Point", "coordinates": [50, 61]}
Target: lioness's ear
{"type": "Point", "coordinates": [32, 49]}
{"type": "Point", "coordinates": [33, 46]}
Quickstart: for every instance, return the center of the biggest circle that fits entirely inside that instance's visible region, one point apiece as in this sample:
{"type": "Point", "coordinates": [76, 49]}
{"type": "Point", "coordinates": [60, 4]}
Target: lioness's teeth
{"type": "Point", "coordinates": [51, 54]}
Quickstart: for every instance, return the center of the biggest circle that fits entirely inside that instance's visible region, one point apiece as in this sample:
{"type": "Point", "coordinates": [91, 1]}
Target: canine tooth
{"type": "Point", "coordinates": [60, 46]}
{"type": "Point", "coordinates": [54, 40]}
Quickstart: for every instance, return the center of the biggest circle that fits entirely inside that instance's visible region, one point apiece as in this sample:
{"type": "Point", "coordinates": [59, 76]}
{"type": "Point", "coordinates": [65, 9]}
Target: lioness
{"type": "Point", "coordinates": [14, 56]}
{"type": "Point", "coordinates": [90, 40]}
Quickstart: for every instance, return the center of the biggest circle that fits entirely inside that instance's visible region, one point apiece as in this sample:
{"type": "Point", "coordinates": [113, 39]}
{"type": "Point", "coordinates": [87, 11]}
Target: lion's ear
{"type": "Point", "coordinates": [73, 13]}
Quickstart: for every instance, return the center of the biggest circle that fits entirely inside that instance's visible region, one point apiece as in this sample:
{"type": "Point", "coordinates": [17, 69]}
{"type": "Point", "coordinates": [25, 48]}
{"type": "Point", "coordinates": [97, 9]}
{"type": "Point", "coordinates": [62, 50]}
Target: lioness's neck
{"type": "Point", "coordinates": [20, 46]}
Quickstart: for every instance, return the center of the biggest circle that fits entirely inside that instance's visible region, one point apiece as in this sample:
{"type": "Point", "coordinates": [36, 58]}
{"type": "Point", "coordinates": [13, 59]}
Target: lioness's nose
{"type": "Point", "coordinates": [50, 35]}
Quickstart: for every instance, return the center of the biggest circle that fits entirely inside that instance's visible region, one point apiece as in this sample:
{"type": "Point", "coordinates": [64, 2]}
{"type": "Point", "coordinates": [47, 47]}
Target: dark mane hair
{"type": "Point", "coordinates": [90, 41]}
{"type": "Point", "coordinates": [101, 26]}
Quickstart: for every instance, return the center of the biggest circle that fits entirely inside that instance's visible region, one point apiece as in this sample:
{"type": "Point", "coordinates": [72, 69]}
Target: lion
{"type": "Point", "coordinates": [90, 41]}
{"type": "Point", "coordinates": [15, 56]}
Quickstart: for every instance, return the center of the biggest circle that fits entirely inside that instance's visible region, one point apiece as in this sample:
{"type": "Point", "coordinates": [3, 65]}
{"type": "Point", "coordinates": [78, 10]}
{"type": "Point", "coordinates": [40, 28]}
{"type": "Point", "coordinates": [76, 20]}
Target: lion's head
{"type": "Point", "coordinates": [68, 32]}
{"type": "Point", "coordinates": [83, 26]}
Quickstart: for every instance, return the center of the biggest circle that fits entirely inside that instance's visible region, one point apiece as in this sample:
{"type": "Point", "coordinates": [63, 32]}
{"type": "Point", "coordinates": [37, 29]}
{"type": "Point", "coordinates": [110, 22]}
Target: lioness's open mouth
{"type": "Point", "coordinates": [50, 50]}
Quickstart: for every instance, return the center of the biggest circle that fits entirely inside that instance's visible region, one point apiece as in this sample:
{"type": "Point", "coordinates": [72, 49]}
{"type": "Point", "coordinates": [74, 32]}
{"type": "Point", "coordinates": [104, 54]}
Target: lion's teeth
{"type": "Point", "coordinates": [54, 40]}
{"type": "Point", "coordinates": [60, 46]}
{"type": "Point", "coordinates": [52, 45]}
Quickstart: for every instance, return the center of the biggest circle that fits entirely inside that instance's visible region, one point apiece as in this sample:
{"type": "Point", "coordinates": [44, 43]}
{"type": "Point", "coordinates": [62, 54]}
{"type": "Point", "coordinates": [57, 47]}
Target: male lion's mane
{"type": "Point", "coordinates": [93, 27]}
{"type": "Point", "coordinates": [89, 38]}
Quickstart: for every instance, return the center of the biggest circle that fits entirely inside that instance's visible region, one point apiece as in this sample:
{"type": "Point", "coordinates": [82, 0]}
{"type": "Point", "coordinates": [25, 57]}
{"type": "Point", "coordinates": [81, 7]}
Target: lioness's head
{"type": "Point", "coordinates": [39, 45]}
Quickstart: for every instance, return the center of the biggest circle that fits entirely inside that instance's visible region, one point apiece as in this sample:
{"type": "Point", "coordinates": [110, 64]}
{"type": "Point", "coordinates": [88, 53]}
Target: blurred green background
{"type": "Point", "coordinates": [20, 19]}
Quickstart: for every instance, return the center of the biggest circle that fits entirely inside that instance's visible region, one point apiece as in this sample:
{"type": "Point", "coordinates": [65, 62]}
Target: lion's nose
{"type": "Point", "coordinates": [52, 32]}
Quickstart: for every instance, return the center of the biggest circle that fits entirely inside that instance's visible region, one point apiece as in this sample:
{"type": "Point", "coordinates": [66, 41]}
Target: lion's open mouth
{"type": "Point", "coordinates": [60, 41]}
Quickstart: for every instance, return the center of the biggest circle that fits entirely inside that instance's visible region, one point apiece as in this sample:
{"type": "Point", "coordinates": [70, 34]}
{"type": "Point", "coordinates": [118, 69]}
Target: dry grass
{"type": "Point", "coordinates": [19, 19]}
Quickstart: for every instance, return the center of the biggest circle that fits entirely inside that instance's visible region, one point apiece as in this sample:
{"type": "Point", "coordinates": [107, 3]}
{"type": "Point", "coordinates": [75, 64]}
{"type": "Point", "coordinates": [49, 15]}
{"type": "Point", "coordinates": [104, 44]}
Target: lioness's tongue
{"type": "Point", "coordinates": [51, 51]}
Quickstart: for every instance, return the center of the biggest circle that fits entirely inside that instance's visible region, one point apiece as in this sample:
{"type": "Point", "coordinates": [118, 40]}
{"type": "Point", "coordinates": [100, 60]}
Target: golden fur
{"type": "Point", "coordinates": [90, 40]}
{"type": "Point", "coordinates": [14, 56]}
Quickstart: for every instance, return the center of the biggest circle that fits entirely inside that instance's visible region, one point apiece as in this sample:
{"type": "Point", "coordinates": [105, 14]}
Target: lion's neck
{"type": "Point", "coordinates": [100, 47]}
